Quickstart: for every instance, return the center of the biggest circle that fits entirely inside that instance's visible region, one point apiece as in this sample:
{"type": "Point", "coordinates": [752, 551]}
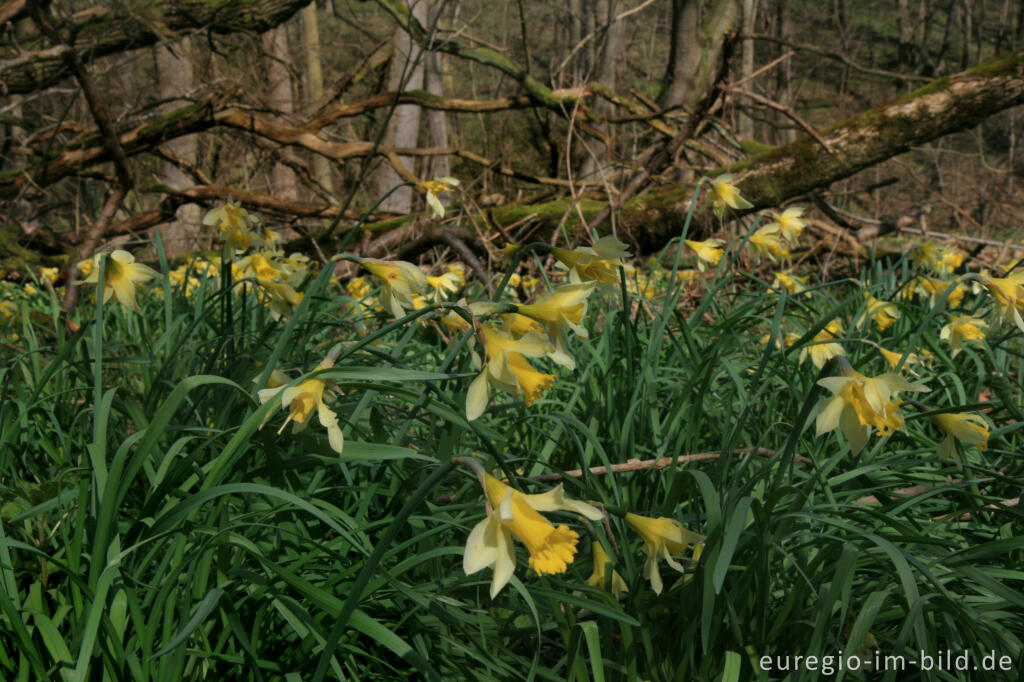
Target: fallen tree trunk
{"type": "Point", "coordinates": [653, 218]}
{"type": "Point", "coordinates": [944, 106]}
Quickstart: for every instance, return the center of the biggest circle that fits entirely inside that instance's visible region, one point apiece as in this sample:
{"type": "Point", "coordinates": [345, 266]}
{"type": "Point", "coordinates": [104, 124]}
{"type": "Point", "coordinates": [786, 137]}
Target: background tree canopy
{"type": "Point", "coordinates": [546, 111]}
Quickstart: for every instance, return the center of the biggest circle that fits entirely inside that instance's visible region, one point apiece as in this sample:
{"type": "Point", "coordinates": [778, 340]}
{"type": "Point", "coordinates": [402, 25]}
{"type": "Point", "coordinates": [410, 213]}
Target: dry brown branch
{"type": "Point", "coordinates": [661, 463]}
{"type": "Point", "coordinates": [786, 111]}
{"type": "Point", "coordinates": [837, 56]}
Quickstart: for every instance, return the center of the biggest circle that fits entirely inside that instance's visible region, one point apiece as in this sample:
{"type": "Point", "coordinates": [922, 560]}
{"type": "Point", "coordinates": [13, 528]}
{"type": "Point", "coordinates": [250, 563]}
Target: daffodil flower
{"type": "Point", "coordinates": [860, 403]}
{"type": "Point", "coordinates": [444, 284]}
{"type": "Point", "coordinates": [823, 348]}
{"type": "Point", "coordinates": [935, 288]}
{"type": "Point", "coordinates": [766, 241]}
{"type": "Point", "coordinates": [709, 252]}
{"type": "Point", "coordinates": [602, 564]}
{"type": "Point", "coordinates": [794, 284]}
{"type": "Point", "coordinates": [235, 224]}
{"type": "Point", "coordinates": [965, 427]}
{"type": "Point", "coordinates": [960, 328]}
{"type": "Point", "coordinates": [507, 368]}
{"type": "Point", "coordinates": [561, 310]}
{"type": "Point", "coordinates": [726, 194]}
{"type": "Point", "coordinates": [884, 314]}
{"type": "Point", "coordinates": [301, 400]}
{"type": "Point", "coordinates": [790, 223]}
{"type": "Point", "coordinates": [399, 281]}
{"type": "Point", "coordinates": [664, 538]}
{"type": "Point", "coordinates": [121, 275]}
{"type": "Point", "coordinates": [893, 359]}
{"type": "Point", "coordinates": [435, 187]}
{"type": "Point", "coordinates": [511, 513]}
{"type": "Point", "coordinates": [598, 262]}
{"type": "Point", "coordinates": [1008, 295]}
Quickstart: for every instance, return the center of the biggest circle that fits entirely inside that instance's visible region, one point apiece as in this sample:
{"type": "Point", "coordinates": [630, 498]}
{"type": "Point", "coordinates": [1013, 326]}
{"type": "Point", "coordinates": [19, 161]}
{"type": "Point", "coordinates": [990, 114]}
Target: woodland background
{"type": "Point", "coordinates": [538, 107]}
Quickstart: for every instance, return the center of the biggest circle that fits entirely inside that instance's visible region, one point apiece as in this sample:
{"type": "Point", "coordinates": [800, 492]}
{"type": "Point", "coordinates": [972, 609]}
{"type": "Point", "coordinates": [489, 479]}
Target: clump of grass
{"type": "Point", "coordinates": [157, 525]}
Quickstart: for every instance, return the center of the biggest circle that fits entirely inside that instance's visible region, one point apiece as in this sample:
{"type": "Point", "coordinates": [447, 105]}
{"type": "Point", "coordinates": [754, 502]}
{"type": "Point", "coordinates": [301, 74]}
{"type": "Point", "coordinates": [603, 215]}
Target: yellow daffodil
{"type": "Point", "coordinates": [790, 223]}
{"type": "Point", "coordinates": [766, 241]}
{"type": "Point", "coordinates": [507, 368]}
{"type": "Point", "coordinates": [941, 259]}
{"type": "Point", "coordinates": [709, 252]}
{"type": "Point", "coordinates": [512, 513]}
{"type": "Point", "coordinates": [726, 194]}
{"type": "Point", "coordinates": [664, 538]}
{"type": "Point", "coordinates": [399, 281]}
{"type": "Point", "coordinates": [963, 327]}
{"type": "Point", "coordinates": [358, 287]}
{"type": "Point", "coordinates": [49, 275]}
{"type": "Point", "coordinates": [893, 359]}
{"type": "Point", "coordinates": [444, 284]}
{"type": "Point", "coordinates": [558, 311]}
{"type": "Point", "coordinates": [433, 188]}
{"type": "Point", "coordinates": [882, 313]}
{"type": "Point", "coordinates": [602, 565]}
{"type": "Point", "coordinates": [236, 226]}
{"type": "Point", "coordinates": [860, 403]}
{"type": "Point", "coordinates": [1008, 295]}
{"type": "Point", "coordinates": [794, 284]}
{"type": "Point", "coordinates": [301, 400]}
{"type": "Point", "coordinates": [121, 275]}
{"type": "Point", "coordinates": [935, 288]}
{"type": "Point", "coordinates": [598, 262]}
{"type": "Point", "coordinates": [823, 348]}
{"type": "Point", "coordinates": [965, 427]}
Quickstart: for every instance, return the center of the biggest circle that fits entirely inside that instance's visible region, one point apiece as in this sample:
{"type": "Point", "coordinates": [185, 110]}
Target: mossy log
{"type": "Point", "coordinates": [944, 106]}
{"type": "Point", "coordinates": [35, 64]}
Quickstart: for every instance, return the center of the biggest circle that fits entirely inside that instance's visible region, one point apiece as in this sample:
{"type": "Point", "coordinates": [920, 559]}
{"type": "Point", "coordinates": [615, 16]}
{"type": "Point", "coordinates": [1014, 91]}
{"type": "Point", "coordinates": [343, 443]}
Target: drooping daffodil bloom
{"type": "Point", "coordinates": [794, 284]}
{"type": "Point", "coordinates": [893, 359]}
{"type": "Point", "coordinates": [824, 348]}
{"type": "Point", "coordinates": [960, 328]}
{"type": "Point", "coordinates": [120, 276]}
{"type": "Point", "coordinates": [767, 242]}
{"type": "Point", "coordinates": [506, 367]}
{"type": "Point", "coordinates": [1008, 296]}
{"type": "Point", "coordinates": [598, 262]}
{"type": "Point", "coordinates": [444, 284]}
{"type": "Point", "coordinates": [236, 226]}
{"type": "Point", "coordinates": [790, 223]}
{"type": "Point", "coordinates": [512, 513]}
{"type": "Point", "coordinates": [709, 252]}
{"type": "Point", "coordinates": [302, 399]}
{"type": "Point", "coordinates": [727, 194]}
{"type": "Point", "coordinates": [561, 310]}
{"type": "Point", "coordinates": [882, 313]}
{"type": "Point", "coordinates": [602, 565]}
{"type": "Point", "coordinates": [934, 289]}
{"type": "Point", "coordinates": [434, 187]}
{"type": "Point", "coordinates": [664, 538]}
{"type": "Point", "coordinates": [965, 427]}
{"type": "Point", "coordinates": [859, 404]}
{"type": "Point", "coordinates": [399, 281]}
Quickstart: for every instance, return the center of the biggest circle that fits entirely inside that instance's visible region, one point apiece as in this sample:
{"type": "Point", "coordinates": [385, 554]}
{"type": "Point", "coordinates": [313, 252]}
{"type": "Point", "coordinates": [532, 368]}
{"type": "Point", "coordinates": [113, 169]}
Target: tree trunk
{"type": "Point", "coordinates": [315, 84]}
{"type": "Point", "coordinates": [746, 123]}
{"type": "Point", "coordinates": [403, 129]}
{"type": "Point", "coordinates": [695, 51]}
{"type": "Point", "coordinates": [597, 162]}
{"type": "Point", "coordinates": [175, 79]}
{"type": "Point", "coordinates": [279, 99]}
{"type": "Point", "coordinates": [437, 120]}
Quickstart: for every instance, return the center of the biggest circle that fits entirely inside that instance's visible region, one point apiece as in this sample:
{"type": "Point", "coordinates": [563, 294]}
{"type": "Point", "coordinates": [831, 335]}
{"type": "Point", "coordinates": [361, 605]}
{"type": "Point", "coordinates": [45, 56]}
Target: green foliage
{"type": "Point", "coordinates": [155, 529]}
